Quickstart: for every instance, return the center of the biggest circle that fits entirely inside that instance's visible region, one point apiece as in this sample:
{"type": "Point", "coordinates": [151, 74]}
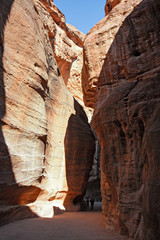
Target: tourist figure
{"type": "Point", "coordinates": [92, 203]}
{"type": "Point", "coordinates": [87, 203]}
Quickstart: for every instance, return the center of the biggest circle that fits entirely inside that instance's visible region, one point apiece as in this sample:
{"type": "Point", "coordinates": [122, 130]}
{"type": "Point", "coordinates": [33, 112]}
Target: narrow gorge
{"type": "Point", "coordinates": [59, 90]}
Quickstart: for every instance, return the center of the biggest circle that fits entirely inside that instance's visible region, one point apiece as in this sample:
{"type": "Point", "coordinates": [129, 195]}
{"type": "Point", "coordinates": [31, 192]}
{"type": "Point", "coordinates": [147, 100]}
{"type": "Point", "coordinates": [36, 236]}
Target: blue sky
{"type": "Point", "coordinates": [83, 14]}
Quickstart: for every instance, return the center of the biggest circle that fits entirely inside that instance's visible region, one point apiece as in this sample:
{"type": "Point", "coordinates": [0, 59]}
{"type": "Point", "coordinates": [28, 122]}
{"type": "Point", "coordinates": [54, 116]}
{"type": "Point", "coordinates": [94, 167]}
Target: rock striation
{"type": "Point", "coordinates": [67, 44]}
{"type": "Point", "coordinates": [46, 143]}
{"type": "Point", "coordinates": [121, 81]}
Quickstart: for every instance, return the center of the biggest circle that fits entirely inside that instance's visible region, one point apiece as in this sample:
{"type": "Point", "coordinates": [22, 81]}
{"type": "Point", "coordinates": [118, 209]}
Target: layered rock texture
{"type": "Point", "coordinates": [46, 143]}
{"type": "Point", "coordinates": [121, 81]}
{"type": "Point", "coordinates": [67, 44]}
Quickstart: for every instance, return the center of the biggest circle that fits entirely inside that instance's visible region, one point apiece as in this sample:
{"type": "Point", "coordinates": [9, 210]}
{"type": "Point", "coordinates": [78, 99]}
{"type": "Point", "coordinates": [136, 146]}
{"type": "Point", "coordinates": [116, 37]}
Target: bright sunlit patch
{"type": "Point", "coordinates": [59, 205]}
{"type": "Point", "coordinates": [42, 210]}
{"type": "Point", "coordinates": [45, 208]}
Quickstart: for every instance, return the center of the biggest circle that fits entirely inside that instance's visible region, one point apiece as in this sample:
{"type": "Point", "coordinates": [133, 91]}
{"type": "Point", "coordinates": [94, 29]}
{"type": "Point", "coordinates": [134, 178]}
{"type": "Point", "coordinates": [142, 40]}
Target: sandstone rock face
{"type": "Point", "coordinates": [67, 44]}
{"type": "Point", "coordinates": [46, 143]}
{"type": "Point", "coordinates": [95, 54]}
{"type": "Point", "coordinates": [121, 80]}
{"type": "Point", "coordinates": [110, 4]}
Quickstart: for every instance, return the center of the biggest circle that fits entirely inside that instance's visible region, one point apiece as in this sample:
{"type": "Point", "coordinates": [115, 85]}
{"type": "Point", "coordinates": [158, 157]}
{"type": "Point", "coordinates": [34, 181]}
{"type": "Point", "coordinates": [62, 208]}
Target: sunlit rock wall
{"type": "Point", "coordinates": [46, 143]}
{"type": "Point", "coordinates": [67, 44]}
{"type": "Point", "coordinates": [121, 81]}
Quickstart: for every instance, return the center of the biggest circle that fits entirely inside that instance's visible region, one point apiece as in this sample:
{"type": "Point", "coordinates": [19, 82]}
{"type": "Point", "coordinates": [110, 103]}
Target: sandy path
{"type": "Point", "coordinates": [68, 226]}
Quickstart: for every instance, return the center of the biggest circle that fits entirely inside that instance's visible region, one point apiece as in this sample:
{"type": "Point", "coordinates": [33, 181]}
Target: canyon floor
{"type": "Point", "coordinates": [73, 226]}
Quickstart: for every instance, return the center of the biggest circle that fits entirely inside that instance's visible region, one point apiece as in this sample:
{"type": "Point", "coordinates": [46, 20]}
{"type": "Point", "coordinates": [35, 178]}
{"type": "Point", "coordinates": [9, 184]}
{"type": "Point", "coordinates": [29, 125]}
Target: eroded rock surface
{"type": "Point", "coordinates": [46, 143]}
{"type": "Point", "coordinates": [110, 4]}
{"type": "Point", "coordinates": [67, 44]}
{"type": "Point", "coordinates": [121, 80]}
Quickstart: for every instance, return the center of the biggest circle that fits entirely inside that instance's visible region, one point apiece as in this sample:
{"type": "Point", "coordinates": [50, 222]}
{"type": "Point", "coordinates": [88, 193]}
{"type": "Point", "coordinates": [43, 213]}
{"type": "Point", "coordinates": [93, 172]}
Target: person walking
{"type": "Point", "coordinates": [87, 203]}
{"type": "Point", "coordinates": [92, 203]}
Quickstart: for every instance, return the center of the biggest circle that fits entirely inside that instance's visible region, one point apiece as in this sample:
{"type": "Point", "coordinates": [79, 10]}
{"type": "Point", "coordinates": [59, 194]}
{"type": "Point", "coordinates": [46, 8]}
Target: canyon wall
{"type": "Point", "coordinates": [121, 82]}
{"type": "Point", "coordinates": [46, 143]}
{"type": "Point", "coordinates": [67, 44]}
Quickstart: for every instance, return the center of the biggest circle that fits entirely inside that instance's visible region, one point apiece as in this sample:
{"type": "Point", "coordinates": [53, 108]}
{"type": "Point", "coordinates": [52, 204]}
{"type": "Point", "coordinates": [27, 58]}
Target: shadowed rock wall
{"type": "Point", "coordinates": [35, 157]}
{"type": "Point", "coordinates": [121, 81]}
